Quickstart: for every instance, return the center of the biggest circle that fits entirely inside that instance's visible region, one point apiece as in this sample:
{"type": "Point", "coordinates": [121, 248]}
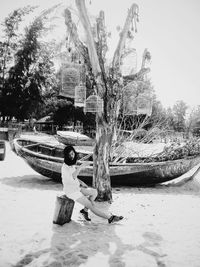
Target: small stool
{"type": "Point", "coordinates": [63, 210]}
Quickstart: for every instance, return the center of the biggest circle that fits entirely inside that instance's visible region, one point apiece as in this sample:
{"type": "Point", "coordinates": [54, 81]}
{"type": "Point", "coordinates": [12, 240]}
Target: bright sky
{"type": "Point", "coordinates": [170, 30]}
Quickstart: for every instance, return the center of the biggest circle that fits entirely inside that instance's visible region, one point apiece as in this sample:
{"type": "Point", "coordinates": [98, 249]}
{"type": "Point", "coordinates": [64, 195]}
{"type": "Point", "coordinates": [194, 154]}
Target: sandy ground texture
{"type": "Point", "coordinates": [161, 225]}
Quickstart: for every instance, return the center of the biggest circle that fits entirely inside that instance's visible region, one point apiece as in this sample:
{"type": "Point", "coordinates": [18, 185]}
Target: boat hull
{"type": "Point", "coordinates": [128, 174]}
{"type": "Point", "coordinates": [74, 142]}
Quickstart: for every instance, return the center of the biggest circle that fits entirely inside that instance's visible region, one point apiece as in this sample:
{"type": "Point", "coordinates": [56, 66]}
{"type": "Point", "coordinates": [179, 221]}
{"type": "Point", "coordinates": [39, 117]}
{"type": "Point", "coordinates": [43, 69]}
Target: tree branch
{"type": "Point", "coordinates": [72, 29]}
{"type": "Point", "coordinates": [90, 40]}
{"type": "Point", "coordinates": [137, 76]}
{"type": "Point", "coordinates": [132, 14]}
{"type": "Point", "coordinates": [143, 71]}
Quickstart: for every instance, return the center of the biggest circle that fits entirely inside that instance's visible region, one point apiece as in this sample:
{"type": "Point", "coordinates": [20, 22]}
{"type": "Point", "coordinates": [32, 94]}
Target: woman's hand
{"type": "Point", "coordinates": [84, 164]}
{"type": "Point", "coordinates": [82, 184]}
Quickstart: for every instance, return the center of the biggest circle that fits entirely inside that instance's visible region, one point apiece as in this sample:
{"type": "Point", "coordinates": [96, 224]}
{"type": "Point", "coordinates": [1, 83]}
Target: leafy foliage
{"type": "Point", "coordinates": [10, 40]}
{"type": "Point", "coordinates": [24, 88]}
{"type": "Point", "coordinates": [193, 122]}
{"type": "Point", "coordinates": [179, 110]}
{"type": "Point", "coordinates": [172, 152]}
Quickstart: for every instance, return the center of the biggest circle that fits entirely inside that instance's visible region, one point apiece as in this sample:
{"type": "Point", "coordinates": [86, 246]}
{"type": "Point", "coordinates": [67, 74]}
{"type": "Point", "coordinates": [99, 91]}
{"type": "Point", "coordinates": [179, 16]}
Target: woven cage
{"type": "Point", "coordinates": [130, 106]}
{"type": "Point", "coordinates": [94, 104]}
{"type": "Point", "coordinates": [144, 104]}
{"type": "Point", "coordinates": [130, 89]}
{"type": "Point", "coordinates": [129, 99]}
{"type": "Point", "coordinates": [134, 102]}
{"type": "Point", "coordinates": [71, 76]}
{"type": "Point", "coordinates": [129, 63]}
{"type": "Point", "coordinates": [80, 96]}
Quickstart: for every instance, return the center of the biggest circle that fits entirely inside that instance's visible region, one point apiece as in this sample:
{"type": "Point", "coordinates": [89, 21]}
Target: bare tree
{"type": "Point", "coordinates": [107, 82]}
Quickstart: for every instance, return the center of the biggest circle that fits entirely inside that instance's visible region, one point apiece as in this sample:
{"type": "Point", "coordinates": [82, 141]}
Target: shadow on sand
{"type": "Point", "coordinates": [32, 182]}
{"type": "Point", "coordinates": [90, 244]}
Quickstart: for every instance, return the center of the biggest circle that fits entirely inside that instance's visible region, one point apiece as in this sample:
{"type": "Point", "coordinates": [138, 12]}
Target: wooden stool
{"type": "Point", "coordinates": [63, 210]}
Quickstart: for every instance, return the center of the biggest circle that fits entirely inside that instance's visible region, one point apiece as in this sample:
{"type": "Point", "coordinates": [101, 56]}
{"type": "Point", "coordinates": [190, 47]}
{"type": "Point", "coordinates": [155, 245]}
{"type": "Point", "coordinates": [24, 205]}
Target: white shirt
{"type": "Point", "coordinates": [70, 185]}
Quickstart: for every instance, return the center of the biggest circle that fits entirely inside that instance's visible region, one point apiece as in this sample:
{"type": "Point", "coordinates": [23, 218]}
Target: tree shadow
{"type": "Point", "coordinates": [76, 243]}
{"type": "Point", "coordinates": [81, 243]}
{"type": "Point", "coordinates": [32, 182]}
{"type": "Point", "coordinates": [88, 244]}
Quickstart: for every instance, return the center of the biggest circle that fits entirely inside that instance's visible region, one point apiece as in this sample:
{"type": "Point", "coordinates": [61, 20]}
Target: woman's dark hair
{"type": "Point", "coordinates": [67, 159]}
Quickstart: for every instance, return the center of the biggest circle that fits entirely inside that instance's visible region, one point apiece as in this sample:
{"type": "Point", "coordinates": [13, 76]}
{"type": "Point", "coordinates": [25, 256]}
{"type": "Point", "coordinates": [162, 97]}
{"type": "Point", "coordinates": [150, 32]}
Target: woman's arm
{"type": "Point", "coordinates": [83, 165]}
{"type": "Point", "coordinates": [82, 184]}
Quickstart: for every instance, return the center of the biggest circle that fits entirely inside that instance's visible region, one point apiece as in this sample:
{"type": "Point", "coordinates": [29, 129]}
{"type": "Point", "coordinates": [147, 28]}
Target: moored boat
{"type": "Point", "coordinates": [2, 149]}
{"type": "Point", "coordinates": [74, 138]}
{"type": "Point", "coordinates": [47, 160]}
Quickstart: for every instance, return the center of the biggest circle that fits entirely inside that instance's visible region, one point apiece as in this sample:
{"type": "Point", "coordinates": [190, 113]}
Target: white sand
{"type": "Point", "coordinates": [161, 225]}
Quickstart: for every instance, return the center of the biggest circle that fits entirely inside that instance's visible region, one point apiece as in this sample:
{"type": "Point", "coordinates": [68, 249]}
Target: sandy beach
{"type": "Point", "coordinates": [161, 225]}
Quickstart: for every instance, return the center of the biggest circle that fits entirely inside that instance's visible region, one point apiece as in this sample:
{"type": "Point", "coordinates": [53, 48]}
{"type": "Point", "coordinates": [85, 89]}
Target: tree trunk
{"type": "Point", "coordinates": [104, 134]}
{"type": "Point", "coordinates": [101, 174]}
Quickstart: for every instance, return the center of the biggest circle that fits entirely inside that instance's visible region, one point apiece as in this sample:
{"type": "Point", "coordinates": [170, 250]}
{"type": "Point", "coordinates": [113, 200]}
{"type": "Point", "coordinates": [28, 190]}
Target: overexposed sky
{"type": "Point", "coordinates": [170, 29]}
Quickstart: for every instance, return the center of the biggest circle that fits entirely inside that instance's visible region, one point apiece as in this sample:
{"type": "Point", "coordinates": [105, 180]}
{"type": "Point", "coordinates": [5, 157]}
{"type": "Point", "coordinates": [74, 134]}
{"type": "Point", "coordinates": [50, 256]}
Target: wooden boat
{"type": "Point", "coordinates": [2, 149]}
{"type": "Point", "coordinates": [74, 138]}
{"type": "Point", "coordinates": [47, 160]}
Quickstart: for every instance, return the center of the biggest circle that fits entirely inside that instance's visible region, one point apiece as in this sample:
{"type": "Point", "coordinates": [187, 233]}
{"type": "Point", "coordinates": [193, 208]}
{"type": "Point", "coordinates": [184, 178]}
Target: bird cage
{"type": "Point", "coordinates": [71, 76]}
{"type": "Point", "coordinates": [144, 104]}
{"type": "Point", "coordinates": [134, 102]}
{"type": "Point", "coordinates": [130, 106]}
{"type": "Point", "coordinates": [130, 89]}
{"type": "Point", "coordinates": [129, 99]}
{"type": "Point", "coordinates": [80, 96]}
{"type": "Point", "coordinates": [129, 63]}
{"type": "Point", "coordinates": [94, 104]}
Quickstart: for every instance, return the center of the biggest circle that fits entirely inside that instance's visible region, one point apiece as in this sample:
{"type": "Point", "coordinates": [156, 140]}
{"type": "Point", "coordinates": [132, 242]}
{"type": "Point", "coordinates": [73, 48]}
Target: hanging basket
{"type": "Point", "coordinates": [80, 96]}
{"type": "Point", "coordinates": [94, 104]}
{"type": "Point", "coordinates": [71, 76]}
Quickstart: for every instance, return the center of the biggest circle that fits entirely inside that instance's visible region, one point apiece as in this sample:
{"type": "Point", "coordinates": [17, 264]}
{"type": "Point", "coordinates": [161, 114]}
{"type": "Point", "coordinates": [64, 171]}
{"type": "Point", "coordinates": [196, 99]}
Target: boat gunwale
{"type": "Point", "coordinates": [60, 159]}
{"type": "Point", "coordinates": [158, 162]}
{"type": "Point", "coordinates": [41, 155]}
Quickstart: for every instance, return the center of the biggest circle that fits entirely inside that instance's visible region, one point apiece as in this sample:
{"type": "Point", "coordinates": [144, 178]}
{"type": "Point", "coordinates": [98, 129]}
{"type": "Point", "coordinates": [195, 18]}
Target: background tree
{"type": "Point", "coordinates": [170, 118]}
{"type": "Point", "coordinates": [179, 111]}
{"type": "Point", "coordinates": [32, 74]}
{"type": "Point", "coordinates": [9, 44]}
{"type": "Point", "coordinates": [193, 122]}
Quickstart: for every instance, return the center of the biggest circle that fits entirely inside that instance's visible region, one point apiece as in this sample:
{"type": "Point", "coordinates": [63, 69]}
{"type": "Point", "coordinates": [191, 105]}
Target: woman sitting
{"type": "Point", "coordinates": [78, 190]}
